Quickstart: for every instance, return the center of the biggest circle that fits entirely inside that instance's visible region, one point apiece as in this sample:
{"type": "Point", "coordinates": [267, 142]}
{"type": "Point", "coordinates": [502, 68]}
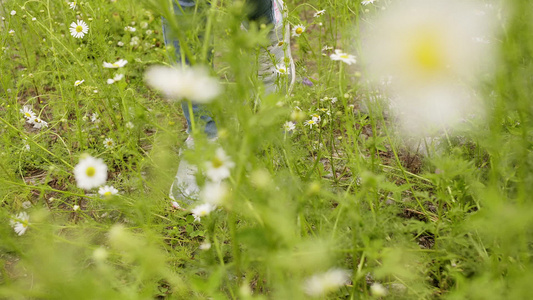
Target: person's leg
{"type": "Point", "coordinates": [202, 115]}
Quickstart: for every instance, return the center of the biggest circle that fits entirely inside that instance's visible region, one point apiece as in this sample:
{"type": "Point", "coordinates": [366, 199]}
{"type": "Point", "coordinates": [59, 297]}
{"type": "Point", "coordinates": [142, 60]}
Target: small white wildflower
{"type": "Point", "coordinates": [94, 118]}
{"type": "Point", "coordinates": [346, 58]}
{"type": "Point", "coordinates": [134, 41]}
{"type": "Point", "coordinates": [144, 25]}
{"type": "Point", "coordinates": [298, 30]}
{"type": "Point", "coordinates": [20, 223]}
{"type": "Point", "coordinates": [107, 191]}
{"type": "Point", "coordinates": [109, 143]}
{"type": "Point", "coordinates": [316, 118]}
{"type": "Point", "coordinates": [321, 284]}
{"type": "Point", "coordinates": [34, 19]}
{"type": "Point", "coordinates": [76, 207]}
{"type": "Point", "coordinates": [191, 83]}
{"type": "Point", "coordinates": [149, 32]}
{"type": "Point", "coordinates": [366, 2]}
{"type": "Point", "coordinates": [79, 29]}
{"type": "Point", "coordinates": [120, 43]}
{"type": "Point", "coordinates": [78, 82]}
{"type": "Point", "coordinates": [205, 246]}
{"type": "Point", "coordinates": [319, 13]}
{"type": "Point", "coordinates": [214, 193]}
{"type": "Point", "coordinates": [11, 32]}
{"type": "Point", "coordinates": [72, 5]}
{"type": "Point", "coordinates": [27, 112]}
{"type": "Point", "coordinates": [130, 29]}
{"type": "Point", "coordinates": [38, 123]}
{"type": "Point", "coordinates": [219, 167]}
{"type": "Point", "coordinates": [13, 12]}
{"type": "Point", "coordinates": [289, 126]}
{"type": "Point", "coordinates": [378, 290]}
{"type": "Point", "coordinates": [334, 99]}
{"type": "Point", "coordinates": [311, 123]}
{"type": "Point", "coordinates": [281, 69]}
{"type": "Point", "coordinates": [129, 125]}
{"type": "Point", "coordinates": [202, 210]}
{"type": "Point", "coordinates": [118, 64]}
{"type": "Point", "coordinates": [90, 172]}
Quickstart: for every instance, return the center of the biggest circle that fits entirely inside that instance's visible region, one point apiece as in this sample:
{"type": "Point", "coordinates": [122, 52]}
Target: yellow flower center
{"type": "Point", "coordinates": [79, 28]}
{"type": "Point", "coordinates": [115, 65]}
{"type": "Point", "coordinates": [90, 171]}
{"type": "Point", "coordinates": [281, 70]}
{"type": "Point", "coordinates": [217, 163]}
{"type": "Point", "coordinates": [299, 30]}
{"type": "Point", "coordinates": [427, 52]}
{"type": "Point", "coordinates": [344, 56]}
{"type": "Point", "coordinates": [107, 194]}
{"type": "Point", "coordinates": [27, 114]}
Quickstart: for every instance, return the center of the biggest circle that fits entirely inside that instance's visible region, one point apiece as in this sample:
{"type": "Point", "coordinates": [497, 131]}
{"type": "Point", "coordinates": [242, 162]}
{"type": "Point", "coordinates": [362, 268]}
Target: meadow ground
{"type": "Point", "coordinates": [399, 166]}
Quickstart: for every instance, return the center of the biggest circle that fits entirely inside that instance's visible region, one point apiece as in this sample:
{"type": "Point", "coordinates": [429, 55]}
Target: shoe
{"type": "Point", "coordinates": [185, 188]}
{"type": "Point", "coordinates": [278, 53]}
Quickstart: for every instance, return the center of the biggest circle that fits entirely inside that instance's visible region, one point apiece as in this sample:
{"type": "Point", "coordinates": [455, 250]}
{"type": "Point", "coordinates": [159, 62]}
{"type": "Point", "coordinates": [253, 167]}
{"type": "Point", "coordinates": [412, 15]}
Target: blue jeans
{"type": "Point", "coordinates": [257, 10]}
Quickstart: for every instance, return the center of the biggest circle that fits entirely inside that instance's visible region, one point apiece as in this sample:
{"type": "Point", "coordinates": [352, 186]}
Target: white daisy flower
{"type": "Point", "coordinates": [191, 83]}
{"type": "Point", "coordinates": [339, 55]}
{"type": "Point", "coordinates": [78, 29]}
{"type": "Point", "coordinates": [289, 126]}
{"type": "Point", "coordinates": [120, 43]}
{"type": "Point", "coordinates": [134, 41]}
{"type": "Point", "coordinates": [378, 290]}
{"type": "Point", "coordinates": [366, 2]}
{"type": "Point", "coordinates": [311, 123]}
{"type": "Point", "coordinates": [20, 223]}
{"type": "Point", "coordinates": [11, 32]}
{"type": "Point", "coordinates": [319, 13]}
{"type": "Point", "coordinates": [118, 64]}
{"type": "Point", "coordinates": [219, 167]}
{"type": "Point", "coordinates": [281, 69]}
{"type": "Point", "coordinates": [76, 207]}
{"type": "Point", "coordinates": [72, 5]}
{"type": "Point", "coordinates": [298, 30]}
{"type": "Point", "coordinates": [28, 112]}
{"type": "Point", "coordinates": [13, 12]}
{"type": "Point", "coordinates": [78, 82]}
{"type": "Point", "coordinates": [321, 284]}
{"type": "Point", "coordinates": [214, 193]}
{"type": "Point", "coordinates": [94, 118]}
{"type": "Point", "coordinates": [316, 118]}
{"type": "Point", "coordinates": [90, 172]}
{"type": "Point", "coordinates": [34, 19]}
{"type": "Point", "coordinates": [109, 143]}
{"type": "Point", "coordinates": [130, 29]}
{"type": "Point", "coordinates": [202, 210]}
{"type": "Point", "coordinates": [38, 122]}
{"type": "Point", "coordinates": [117, 77]}
{"type": "Point", "coordinates": [107, 191]}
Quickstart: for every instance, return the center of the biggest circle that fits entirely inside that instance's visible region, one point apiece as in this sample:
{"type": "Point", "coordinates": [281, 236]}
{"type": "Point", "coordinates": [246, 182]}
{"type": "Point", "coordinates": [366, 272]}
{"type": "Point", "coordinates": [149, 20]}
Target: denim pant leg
{"type": "Point", "coordinates": [258, 9]}
{"type": "Point", "coordinates": [201, 113]}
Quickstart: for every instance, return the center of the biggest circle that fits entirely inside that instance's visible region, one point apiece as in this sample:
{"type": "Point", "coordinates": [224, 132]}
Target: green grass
{"type": "Point", "coordinates": [450, 217]}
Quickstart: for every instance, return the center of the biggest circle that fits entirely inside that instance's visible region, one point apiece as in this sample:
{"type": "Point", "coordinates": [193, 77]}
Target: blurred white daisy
{"type": "Point", "coordinates": [13, 12]}
{"type": "Point", "coordinates": [346, 58]}
{"type": "Point", "coordinates": [202, 210]}
{"type": "Point", "coordinates": [129, 125]}
{"type": "Point", "coordinates": [191, 83]}
{"type": "Point", "coordinates": [20, 223]}
{"type": "Point", "coordinates": [72, 5]}
{"type": "Point", "coordinates": [319, 13]}
{"type": "Point", "coordinates": [78, 82]}
{"type": "Point", "coordinates": [214, 193]}
{"type": "Point", "coordinates": [78, 29]}
{"type": "Point", "coordinates": [27, 112]}
{"type": "Point", "coordinates": [107, 191]}
{"type": "Point", "coordinates": [298, 30]}
{"type": "Point", "coordinates": [75, 207]}
{"type": "Point", "coordinates": [130, 29]}
{"type": "Point", "coordinates": [289, 126]}
{"type": "Point", "coordinates": [90, 172]}
{"type": "Point", "coordinates": [94, 118]}
{"type": "Point", "coordinates": [378, 290]}
{"type": "Point", "coordinates": [321, 284]}
{"type": "Point", "coordinates": [120, 43]}
{"type": "Point", "coordinates": [38, 122]}
{"type": "Point", "coordinates": [118, 64]}
{"type": "Point", "coordinates": [205, 246]}
{"type": "Point", "coordinates": [11, 32]}
{"type": "Point", "coordinates": [429, 50]}
{"type": "Point", "coordinates": [117, 77]}
{"type": "Point", "coordinates": [219, 167]}
{"type": "Point", "coordinates": [281, 69]}
{"type": "Point", "coordinates": [109, 143]}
